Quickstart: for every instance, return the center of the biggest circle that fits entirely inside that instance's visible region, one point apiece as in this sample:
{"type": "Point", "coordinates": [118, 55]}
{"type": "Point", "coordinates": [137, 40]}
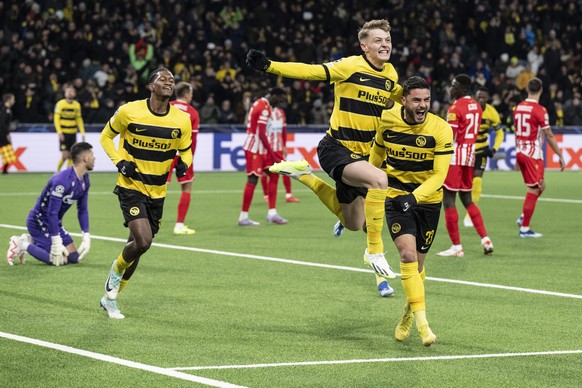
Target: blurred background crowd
{"type": "Point", "coordinates": [107, 48]}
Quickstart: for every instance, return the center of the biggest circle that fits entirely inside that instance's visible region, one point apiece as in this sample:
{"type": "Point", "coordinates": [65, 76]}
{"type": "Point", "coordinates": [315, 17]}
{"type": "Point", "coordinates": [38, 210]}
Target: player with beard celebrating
{"type": "Point", "coordinates": [416, 147]}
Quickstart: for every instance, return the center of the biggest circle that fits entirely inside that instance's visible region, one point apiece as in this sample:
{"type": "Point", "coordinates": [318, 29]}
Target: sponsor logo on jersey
{"type": "Point", "coordinates": [403, 153]}
{"type": "Point", "coordinates": [151, 144]}
{"type": "Point", "coordinates": [377, 98]}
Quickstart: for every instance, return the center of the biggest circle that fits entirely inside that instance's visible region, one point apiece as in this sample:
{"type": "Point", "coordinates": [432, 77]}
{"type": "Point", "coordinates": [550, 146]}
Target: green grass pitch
{"type": "Point", "coordinates": [290, 305]}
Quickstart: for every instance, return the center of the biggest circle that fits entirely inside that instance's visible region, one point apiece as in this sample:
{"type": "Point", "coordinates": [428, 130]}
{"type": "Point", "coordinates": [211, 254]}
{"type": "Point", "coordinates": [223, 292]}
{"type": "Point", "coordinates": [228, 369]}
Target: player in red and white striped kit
{"type": "Point", "coordinates": [258, 152]}
{"type": "Point", "coordinates": [464, 116]}
{"type": "Point", "coordinates": [182, 102]}
{"type": "Point", "coordinates": [277, 135]}
{"type": "Point", "coordinates": [531, 121]}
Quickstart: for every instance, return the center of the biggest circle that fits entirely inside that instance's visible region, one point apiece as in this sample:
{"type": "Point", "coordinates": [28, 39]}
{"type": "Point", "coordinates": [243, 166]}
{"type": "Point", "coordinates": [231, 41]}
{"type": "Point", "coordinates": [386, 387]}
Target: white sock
{"type": "Point", "coordinates": [243, 216]}
{"type": "Point", "coordinates": [179, 225]}
{"type": "Point", "coordinates": [272, 212]}
{"type": "Point", "coordinates": [523, 229]}
{"type": "Point", "coordinates": [288, 195]}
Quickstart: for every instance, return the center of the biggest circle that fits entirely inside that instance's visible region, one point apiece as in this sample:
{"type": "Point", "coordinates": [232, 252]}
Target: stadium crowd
{"type": "Point", "coordinates": [106, 49]}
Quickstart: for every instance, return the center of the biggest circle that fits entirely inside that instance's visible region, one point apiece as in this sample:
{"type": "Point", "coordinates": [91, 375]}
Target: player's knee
{"type": "Point", "coordinates": [142, 244]}
{"type": "Point", "coordinates": [379, 181]}
{"type": "Point", "coordinates": [73, 258]}
{"type": "Point", "coordinates": [408, 255]}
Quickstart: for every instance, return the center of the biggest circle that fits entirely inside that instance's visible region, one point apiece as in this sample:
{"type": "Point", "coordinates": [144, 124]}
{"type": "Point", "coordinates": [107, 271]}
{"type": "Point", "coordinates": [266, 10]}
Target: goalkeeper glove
{"type": "Point", "coordinates": [404, 202]}
{"type": "Point", "coordinates": [257, 60]}
{"type": "Point", "coordinates": [58, 251]}
{"type": "Point", "coordinates": [127, 169]}
{"type": "Point", "coordinates": [181, 168]}
{"type": "Point", "coordinates": [85, 246]}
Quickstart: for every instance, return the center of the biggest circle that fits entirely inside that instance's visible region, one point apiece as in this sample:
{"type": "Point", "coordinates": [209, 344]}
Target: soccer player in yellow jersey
{"type": "Point", "coordinates": [362, 86]}
{"type": "Point", "coordinates": [416, 147]}
{"type": "Point", "coordinates": [489, 122]}
{"type": "Point", "coordinates": [68, 121]}
{"type": "Point", "coordinates": [150, 131]}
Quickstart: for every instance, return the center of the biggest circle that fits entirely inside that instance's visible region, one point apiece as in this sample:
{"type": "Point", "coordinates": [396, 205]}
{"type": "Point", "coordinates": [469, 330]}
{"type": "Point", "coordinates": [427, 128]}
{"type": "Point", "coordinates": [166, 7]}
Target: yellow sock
{"type": "Point", "coordinates": [60, 165]}
{"type": "Point", "coordinates": [374, 210]}
{"type": "Point", "coordinates": [325, 193]}
{"type": "Point", "coordinates": [379, 279]}
{"type": "Point", "coordinates": [413, 286]}
{"type": "Point", "coordinates": [120, 264]}
{"type": "Point", "coordinates": [123, 283]}
{"type": "Point", "coordinates": [477, 187]}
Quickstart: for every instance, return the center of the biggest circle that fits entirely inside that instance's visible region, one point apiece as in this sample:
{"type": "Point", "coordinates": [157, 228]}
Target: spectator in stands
{"type": "Point", "coordinates": [227, 114]}
{"type": "Point", "coordinates": [209, 113]}
{"type": "Point", "coordinates": [573, 111]}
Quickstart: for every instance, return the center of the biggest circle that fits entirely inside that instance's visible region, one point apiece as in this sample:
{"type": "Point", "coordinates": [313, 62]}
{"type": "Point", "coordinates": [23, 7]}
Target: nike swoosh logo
{"type": "Point", "coordinates": [376, 219]}
{"type": "Point", "coordinates": [391, 137]}
{"type": "Point", "coordinates": [141, 129]}
{"type": "Point", "coordinates": [364, 79]}
{"type": "Point", "coordinates": [423, 248]}
{"type": "Point", "coordinates": [107, 287]}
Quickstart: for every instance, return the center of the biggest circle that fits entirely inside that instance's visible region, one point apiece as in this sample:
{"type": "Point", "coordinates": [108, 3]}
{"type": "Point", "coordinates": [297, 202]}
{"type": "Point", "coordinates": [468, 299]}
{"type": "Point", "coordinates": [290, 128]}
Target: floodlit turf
{"type": "Point", "coordinates": [237, 296]}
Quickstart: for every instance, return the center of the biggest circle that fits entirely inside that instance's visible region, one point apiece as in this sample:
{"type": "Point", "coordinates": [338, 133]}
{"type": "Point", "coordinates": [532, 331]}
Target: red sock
{"type": "Point", "coordinates": [248, 196]}
{"type": "Point", "coordinates": [273, 181]}
{"type": "Point", "coordinates": [287, 183]}
{"type": "Point", "coordinates": [529, 206]}
{"type": "Point", "coordinates": [265, 184]}
{"type": "Point", "coordinates": [477, 219]}
{"type": "Point", "coordinates": [452, 222]}
{"type": "Point", "coordinates": [183, 206]}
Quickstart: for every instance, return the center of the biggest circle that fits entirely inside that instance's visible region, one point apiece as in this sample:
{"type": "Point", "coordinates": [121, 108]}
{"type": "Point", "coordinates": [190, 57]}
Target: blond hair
{"type": "Point", "coordinates": [380, 24]}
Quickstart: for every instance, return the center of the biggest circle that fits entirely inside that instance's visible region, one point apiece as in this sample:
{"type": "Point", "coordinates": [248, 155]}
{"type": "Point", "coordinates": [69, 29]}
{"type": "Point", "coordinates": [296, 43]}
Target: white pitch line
{"type": "Point", "coordinates": [120, 361]}
{"type": "Point", "coordinates": [376, 360]}
{"type": "Point", "coordinates": [320, 265]}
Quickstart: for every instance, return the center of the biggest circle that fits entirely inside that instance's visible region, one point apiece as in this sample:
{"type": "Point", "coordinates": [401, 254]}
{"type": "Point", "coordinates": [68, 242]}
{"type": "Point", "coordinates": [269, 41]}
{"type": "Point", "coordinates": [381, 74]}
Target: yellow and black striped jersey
{"type": "Point", "coordinates": [67, 117]}
{"type": "Point", "coordinates": [151, 141]}
{"type": "Point", "coordinates": [417, 156]}
{"type": "Point", "coordinates": [361, 91]}
{"type": "Point", "coordinates": [489, 121]}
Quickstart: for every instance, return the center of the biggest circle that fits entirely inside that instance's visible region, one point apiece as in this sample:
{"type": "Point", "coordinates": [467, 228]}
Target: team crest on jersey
{"type": "Point", "coordinates": [395, 228]}
{"type": "Point", "coordinates": [175, 134]}
{"type": "Point", "coordinates": [58, 191]}
{"type": "Point", "coordinates": [421, 141]}
{"type": "Point", "coordinates": [265, 113]}
{"type": "Point", "coordinates": [134, 211]}
{"type": "Point", "coordinates": [451, 117]}
{"type": "Point", "coordinates": [389, 85]}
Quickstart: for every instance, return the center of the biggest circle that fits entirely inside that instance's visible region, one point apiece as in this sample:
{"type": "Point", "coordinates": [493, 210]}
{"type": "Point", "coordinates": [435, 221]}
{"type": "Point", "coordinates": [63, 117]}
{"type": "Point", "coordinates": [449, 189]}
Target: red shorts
{"type": "Point", "coordinates": [189, 177]}
{"type": "Point", "coordinates": [459, 178]}
{"type": "Point", "coordinates": [256, 163]}
{"type": "Point", "coordinates": [532, 170]}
